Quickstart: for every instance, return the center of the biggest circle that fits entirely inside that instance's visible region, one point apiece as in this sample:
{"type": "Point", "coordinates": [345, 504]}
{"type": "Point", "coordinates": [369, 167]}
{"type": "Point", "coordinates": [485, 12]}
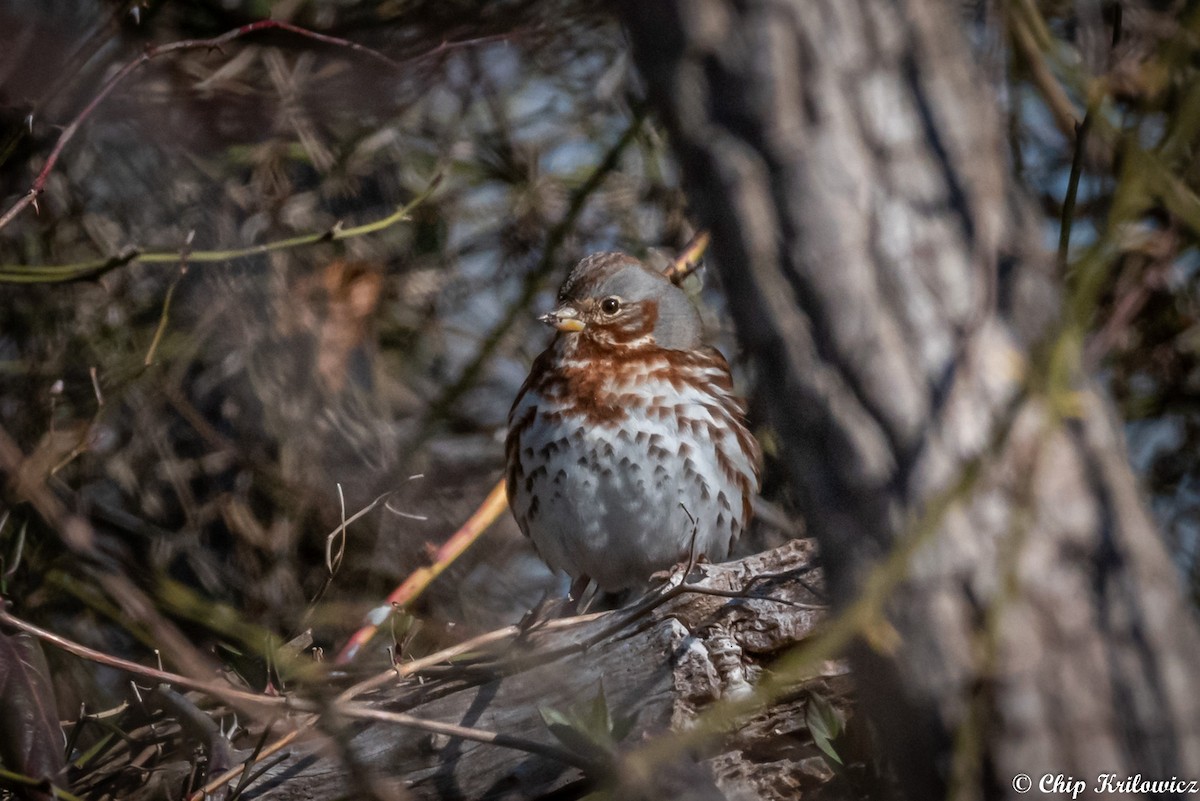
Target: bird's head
{"type": "Point", "coordinates": [612, 299]}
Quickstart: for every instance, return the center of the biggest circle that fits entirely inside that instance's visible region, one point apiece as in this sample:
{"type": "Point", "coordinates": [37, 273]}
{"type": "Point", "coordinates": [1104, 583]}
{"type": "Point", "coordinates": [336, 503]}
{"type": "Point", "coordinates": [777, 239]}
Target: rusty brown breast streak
{"type": "Point", "coordinates": [600, 392]}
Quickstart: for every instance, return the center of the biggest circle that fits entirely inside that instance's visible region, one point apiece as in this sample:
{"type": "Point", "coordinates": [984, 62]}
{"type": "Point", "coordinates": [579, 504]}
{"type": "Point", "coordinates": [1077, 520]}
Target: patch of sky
{"type": "Point", "coordinates": [1142, 386]}
{"type": "Point", "coordinates": [501, 62]}
{"type": "Point", "coordinates": [1050, 231]}
{"type": "Point", "coordinates": [480, 211]}
{"type": "Point", "coordinates": [538, 110]}
{"type": "Point", "coordinates": [1083, 235]}
{"type": "Point", "coordinates": [1042, 145]}
{"type": "Point", "coordinates": [571, 157]}
{"type": "Point", "coordinates": [442, 104]}
{"type": "Point", "coordinates": [469, 318]}
{"type": "Point", "coordinates": [457, 72]}
{"type": "Point", "coordinates": [1152, 131]}
{"type": "Point", "coordinates": [1185, 270]}
{"type": "Point", "coordinates": [1179, 513]}
{"type": "Point", "coordinates": [1089, 186]}
{"type": "Point", "coordinates": [1148, 439]}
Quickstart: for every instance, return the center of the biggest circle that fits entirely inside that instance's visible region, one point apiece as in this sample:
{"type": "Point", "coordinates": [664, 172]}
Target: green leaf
{"type": "Point", "coordinates": [598, 720]}
{"type": "Point", "coordinates": [578, 740]}
{"type": "Point", "coordinates": [553, 717]}
{"type": "Point", "coordinates": [623, 726]}
{"type": "Point", "coordinates": [825, 725]}
{"type": "Point", "coordinates": [587, 727]}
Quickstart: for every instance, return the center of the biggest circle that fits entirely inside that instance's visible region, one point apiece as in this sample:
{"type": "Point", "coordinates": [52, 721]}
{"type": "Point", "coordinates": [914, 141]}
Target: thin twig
{"type": "Point", "coordinates": [1068, 211]}
{"type": "Point", "coordinates": [329, 538]}
{"type": "Point", "coordinates": [234, 772]}
{"type": "Point", "coordinates": [1030, 39]}
{"type": "Point", "coordinates": [446, 655]}
{"type": "Point", "coordinates": [495, 503]}
{"type": "Point", "coordinates": [165, 317]}
{"type": "Point", "coordinates": [363, 712]}
{"type": "Point", "coordinates": [689, 259]}
{"type": "Point", "coordinates": [222, 691]}
{"type": "Point", "coordinates": [28, 274]}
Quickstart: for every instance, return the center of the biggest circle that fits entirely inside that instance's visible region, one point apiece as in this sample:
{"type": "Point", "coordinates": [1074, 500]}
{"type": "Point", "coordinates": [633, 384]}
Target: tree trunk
{"type": "Point", "coordinates": [884, 276]}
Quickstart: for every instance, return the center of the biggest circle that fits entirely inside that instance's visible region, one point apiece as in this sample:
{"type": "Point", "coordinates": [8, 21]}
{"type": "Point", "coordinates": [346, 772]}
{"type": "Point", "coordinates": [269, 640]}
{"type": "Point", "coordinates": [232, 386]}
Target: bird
{"type": "Point", "coordinates": [628, 450]}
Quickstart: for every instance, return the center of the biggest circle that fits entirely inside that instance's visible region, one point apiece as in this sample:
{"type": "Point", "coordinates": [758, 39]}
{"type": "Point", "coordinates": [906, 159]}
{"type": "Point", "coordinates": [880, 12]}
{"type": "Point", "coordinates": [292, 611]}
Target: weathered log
{"type": "Point", "coordinates": [663, 665]}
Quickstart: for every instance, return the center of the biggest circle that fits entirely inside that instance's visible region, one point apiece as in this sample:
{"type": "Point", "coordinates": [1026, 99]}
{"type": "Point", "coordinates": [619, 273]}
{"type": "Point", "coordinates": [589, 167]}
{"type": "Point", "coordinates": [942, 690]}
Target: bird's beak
{"type": "Point", "coordinates": [564, 318]}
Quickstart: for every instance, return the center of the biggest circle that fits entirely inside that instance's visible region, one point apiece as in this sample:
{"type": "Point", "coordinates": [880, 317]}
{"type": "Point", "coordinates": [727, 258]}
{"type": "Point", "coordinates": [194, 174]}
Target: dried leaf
{"type": "Point", "coordinates": [31, 740]}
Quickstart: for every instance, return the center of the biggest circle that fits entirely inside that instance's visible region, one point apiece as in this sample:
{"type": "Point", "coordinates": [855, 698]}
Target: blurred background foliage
{"type": "Point", "coordinates": [214, 421]}
{"type": "Point", "coordinates": [211, 419]}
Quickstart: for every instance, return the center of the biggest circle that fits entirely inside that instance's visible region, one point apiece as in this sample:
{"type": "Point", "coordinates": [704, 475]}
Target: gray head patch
{"type": "Point", "coordinates": [601, 275]}
{"type": "Point", "coordinates": [589, 272]}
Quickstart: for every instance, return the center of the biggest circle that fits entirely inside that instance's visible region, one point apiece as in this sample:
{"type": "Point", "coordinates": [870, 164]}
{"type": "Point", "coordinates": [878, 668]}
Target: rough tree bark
{"type": "Point", "coordinates": [885, 275]}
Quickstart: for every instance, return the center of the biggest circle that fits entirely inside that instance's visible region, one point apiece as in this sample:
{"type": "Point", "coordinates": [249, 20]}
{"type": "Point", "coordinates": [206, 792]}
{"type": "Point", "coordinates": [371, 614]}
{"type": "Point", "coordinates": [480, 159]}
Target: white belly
{"type": "Point", "coordinates": [617, 502]}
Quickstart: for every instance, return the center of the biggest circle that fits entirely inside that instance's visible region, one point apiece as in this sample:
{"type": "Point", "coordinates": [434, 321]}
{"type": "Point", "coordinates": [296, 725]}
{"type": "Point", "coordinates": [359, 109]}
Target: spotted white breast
{"type": "Point", "coordinates": [617, 472]}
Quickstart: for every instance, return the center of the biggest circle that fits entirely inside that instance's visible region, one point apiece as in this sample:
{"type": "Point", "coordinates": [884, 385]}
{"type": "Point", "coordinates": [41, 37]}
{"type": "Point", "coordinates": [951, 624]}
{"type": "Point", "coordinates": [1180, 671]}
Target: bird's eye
{"type": "Point", "coordinates": [610, 305]}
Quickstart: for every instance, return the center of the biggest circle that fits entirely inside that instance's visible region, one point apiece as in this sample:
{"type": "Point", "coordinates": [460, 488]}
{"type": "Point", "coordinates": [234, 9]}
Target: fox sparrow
{"type": "Point", "coordinates": [627, 447]}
